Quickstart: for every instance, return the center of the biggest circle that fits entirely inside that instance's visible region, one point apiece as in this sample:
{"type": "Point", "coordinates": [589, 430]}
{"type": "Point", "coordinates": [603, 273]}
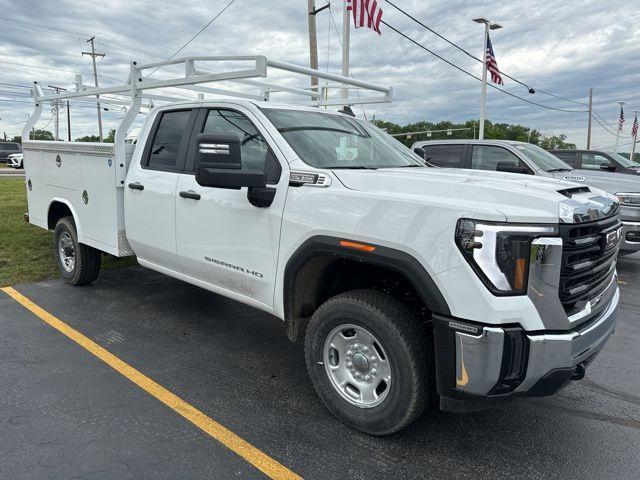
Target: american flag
{"type": "Point", "coordinates": [621, 120]}
{"type": "Point", "coordinates": [634, 128]}
{"type": "Point", "coordinates": [368, 11]}
{"type": "Point", "coordinates": [492, 65]}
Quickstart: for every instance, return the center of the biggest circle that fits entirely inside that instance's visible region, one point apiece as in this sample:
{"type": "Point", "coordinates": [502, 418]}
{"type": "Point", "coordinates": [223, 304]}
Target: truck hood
{"type": "Point", "coordinates": [611, 182]}
{"type": "Point", "coordinates": [518, 197]}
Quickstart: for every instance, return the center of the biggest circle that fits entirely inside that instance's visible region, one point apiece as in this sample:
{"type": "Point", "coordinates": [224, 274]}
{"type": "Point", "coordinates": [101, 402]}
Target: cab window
{"type": "Point", "coordinates": [592, 161]}
{"type": "Point", "coordinates": [569, 157]}
{"type": "Point", "coordinates": [164, 153]}
{"type": "Point", "coordinates": [255, 152]}
{"type": "Point", "coordinates": [446, 156]}
{"type": "Point", "coordinates": [487, 157]}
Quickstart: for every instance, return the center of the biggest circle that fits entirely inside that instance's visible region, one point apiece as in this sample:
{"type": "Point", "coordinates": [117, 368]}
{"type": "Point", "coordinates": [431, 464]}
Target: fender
{"type": "Point", "coordinates": [386, 257]}
{"type": "Point", "coordinates": [73, 214]}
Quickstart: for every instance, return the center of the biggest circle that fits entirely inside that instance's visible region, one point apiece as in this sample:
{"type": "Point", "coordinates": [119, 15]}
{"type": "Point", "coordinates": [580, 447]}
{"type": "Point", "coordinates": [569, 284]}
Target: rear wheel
{"type": "Point", "coordinates": [370, 361]}
{"type": "Point", "coordinates": [78, 264]}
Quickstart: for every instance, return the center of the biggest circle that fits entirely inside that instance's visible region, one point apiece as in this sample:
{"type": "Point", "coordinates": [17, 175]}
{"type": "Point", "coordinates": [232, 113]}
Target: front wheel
{"type": "Point", "coordinates": [78, 264]}
{"type": "Point", "coordinates": [370, 361]}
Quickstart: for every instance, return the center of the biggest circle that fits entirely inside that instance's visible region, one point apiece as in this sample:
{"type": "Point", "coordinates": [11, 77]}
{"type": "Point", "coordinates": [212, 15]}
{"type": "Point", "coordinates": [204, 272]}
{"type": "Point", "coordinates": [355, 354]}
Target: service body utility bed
{"type": "Point", "coordinates": [82, 176]}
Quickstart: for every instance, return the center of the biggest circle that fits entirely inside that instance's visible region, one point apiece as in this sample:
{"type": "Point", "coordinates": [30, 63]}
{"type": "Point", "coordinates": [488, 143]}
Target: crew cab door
{"type": "Point", "coordinates": [223, 241]}
{"type": "Point", "coordinates": [150, 190]}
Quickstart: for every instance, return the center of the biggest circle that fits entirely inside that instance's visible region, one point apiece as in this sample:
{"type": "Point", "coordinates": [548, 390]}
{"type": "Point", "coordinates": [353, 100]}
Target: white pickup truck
{"type": "Point", "coordinates": [413, 287]}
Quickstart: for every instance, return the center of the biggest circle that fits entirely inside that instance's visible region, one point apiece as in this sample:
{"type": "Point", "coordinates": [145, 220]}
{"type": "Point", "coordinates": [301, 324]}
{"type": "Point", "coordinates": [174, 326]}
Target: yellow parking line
{"type": "Point", "coordinates": [233, 442]}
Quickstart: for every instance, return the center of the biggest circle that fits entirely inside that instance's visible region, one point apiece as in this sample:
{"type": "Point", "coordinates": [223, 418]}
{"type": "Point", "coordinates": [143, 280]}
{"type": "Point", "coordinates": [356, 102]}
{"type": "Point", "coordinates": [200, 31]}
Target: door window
{"type": "Point", "coordinates": [254, 149]}
{"type": "Point", "coordinates": [447, 156]}
{"type": "Point", "coordinates": [164, 151]}
{"type": "Point", "coordinates": [592, 161]}
{"type": "Point", "coordinates": [486, 157]}
{"type": "Point", "coordinates": [569, 157]}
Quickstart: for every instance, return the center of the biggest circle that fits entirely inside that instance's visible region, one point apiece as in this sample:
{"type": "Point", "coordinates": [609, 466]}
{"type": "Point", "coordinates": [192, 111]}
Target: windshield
{"type": "Point", "coordinates": [543, 159]}
{"type": "Point", "coordinates": [624, 161]}
{"type": "Point", "coordinates": [334, 141]}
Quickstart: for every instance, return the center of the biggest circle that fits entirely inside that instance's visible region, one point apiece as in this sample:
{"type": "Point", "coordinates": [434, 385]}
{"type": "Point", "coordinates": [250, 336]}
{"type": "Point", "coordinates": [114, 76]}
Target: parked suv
{"type": "Point", "coordinates": [525, 158]}
{"type": "Point", "coordinates": [8, 148]}
{"type": "Point", "coordinates": [597, 160]}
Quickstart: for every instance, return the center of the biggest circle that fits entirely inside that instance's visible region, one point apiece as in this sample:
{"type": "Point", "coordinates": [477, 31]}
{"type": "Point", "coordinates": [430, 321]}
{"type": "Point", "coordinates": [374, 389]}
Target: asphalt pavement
{"type": "Point", "coordinates": [66, 414]}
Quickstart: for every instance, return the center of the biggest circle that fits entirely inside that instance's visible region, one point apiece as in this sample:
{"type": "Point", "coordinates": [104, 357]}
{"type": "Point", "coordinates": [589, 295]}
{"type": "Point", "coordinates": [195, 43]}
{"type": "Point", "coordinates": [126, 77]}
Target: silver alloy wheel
{"type": "Point", "coordinates": [67, 252]}
{"type": "Point", "coordinates": [357, 365]}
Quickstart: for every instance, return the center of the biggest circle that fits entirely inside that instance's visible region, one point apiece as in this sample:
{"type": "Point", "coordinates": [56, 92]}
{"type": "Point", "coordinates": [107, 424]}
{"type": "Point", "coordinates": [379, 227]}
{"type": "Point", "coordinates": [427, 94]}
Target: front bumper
{"type": "Point", "coordinates": [479, 366]}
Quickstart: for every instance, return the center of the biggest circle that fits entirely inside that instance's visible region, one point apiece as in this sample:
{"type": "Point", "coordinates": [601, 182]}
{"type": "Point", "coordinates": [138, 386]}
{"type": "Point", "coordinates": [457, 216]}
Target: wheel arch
{"type": "Point", "coordinates": [59, 208]}
{"type": "Point", "coordinates": [313, 259]}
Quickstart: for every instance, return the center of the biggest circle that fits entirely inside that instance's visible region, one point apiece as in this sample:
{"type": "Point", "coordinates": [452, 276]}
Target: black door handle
{"type": "Point", "coordinates": [136, 186]}
{"type": "Point", "coordinates": [190, 194]}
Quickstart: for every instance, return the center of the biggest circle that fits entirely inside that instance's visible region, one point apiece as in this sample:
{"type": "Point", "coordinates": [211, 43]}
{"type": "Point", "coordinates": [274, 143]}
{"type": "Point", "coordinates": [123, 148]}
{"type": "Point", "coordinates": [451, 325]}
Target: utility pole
{"type": "Point", "coordinates": [488, 25]}
{"type": "Point", "coordinates": [93, 56]}
{"type": "Point", "coordinates": [313, 41]}
{"type": "Point", "coordinates": [615, 150]}
{"type": "Point", "coordinates": [68, 122]}
{"type": "Point", "coordinates": [346, 38]}
{"type": "Point", "coordinates": [56, 106]}
{"type": "Point", "coordinates": [590, 114]}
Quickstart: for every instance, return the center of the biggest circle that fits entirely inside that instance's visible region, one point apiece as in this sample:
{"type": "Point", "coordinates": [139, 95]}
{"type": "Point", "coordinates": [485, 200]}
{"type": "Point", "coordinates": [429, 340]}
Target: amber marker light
{"type": "Point", "coordinates": [357, 246]}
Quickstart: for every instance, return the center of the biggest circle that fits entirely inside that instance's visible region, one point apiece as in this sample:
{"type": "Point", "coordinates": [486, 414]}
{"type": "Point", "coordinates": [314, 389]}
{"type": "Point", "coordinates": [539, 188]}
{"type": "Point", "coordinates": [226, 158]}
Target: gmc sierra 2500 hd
{"type": "Point", "coordinates": [410, 285]}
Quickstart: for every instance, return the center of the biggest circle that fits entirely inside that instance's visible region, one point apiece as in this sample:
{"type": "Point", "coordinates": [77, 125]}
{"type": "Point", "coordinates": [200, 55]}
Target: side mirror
{"type": "Point", "coordinates": [608, 167]}
{"type": "Point", "coordinates": [219, 163]}
{"type": "Point", "coordinates": [511, 168]}
{"type": "Point", "coordinates": [420, 152]}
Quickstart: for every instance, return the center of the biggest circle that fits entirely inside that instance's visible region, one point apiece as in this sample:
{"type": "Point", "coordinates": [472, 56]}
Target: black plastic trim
{"type": "Point", "coordinates": [391, 258]}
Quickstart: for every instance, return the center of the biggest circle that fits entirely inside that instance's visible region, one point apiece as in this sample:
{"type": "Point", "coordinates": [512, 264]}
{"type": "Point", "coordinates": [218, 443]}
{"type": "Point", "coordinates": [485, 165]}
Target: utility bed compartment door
{"type": "Point", "coordinates": [62, 169]}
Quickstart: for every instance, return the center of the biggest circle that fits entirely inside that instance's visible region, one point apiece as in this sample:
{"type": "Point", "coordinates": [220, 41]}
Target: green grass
{"type": "Point", "coordinates": [26, 251]}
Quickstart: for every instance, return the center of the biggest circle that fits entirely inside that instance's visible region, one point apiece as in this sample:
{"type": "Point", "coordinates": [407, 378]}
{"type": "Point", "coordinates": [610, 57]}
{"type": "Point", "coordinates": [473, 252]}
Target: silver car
{"type": "Point", "coordinates": [525, 158]}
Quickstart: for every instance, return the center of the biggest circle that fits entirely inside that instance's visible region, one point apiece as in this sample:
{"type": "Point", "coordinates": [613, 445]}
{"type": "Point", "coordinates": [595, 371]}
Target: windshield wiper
{"type": "Point", "coordinates": [559, 170]}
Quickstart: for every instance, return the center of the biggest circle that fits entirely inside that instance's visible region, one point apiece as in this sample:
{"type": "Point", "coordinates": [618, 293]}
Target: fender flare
{"type": "Point", "coordinates": [385, 257]}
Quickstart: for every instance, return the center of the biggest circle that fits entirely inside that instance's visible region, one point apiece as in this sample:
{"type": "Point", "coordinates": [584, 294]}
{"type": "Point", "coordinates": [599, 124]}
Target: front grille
{"type": "Point", "coordinates": [587, 264]}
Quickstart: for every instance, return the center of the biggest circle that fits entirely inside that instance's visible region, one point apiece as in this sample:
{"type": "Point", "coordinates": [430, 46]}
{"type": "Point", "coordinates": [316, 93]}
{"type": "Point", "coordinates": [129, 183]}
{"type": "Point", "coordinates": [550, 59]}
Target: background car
{"type": "Point", "coordinates": [597, 160]}
{"type": "Point", "coordinates": [8, 148]}
{"type": "Point", "coordinates": [15, 160]}
{"type": "Point", "coordinates": [525, 158]}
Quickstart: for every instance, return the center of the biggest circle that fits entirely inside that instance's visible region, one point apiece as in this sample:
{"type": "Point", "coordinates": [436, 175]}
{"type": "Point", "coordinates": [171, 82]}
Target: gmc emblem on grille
{"type": "Point", "coordinates": [611, 240]}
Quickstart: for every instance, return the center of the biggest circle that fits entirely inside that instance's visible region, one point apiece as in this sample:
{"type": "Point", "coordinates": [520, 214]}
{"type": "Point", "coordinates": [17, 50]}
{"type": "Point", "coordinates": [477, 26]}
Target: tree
{"type": "Point", "coordinates": [556, 142]}
{"type": "Point", "coordinates": [95, 138]}
{"type": "Point", "coordinates": [40, 135]}
{"type": "Point", "coordinates": [17, 139]}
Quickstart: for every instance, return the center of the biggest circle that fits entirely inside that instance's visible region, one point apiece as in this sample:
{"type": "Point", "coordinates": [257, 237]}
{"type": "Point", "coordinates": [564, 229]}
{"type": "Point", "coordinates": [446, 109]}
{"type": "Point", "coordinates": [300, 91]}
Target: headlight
{"type": "Point", "coordinates": [630, 199]}
{"type": "Point", "coordinates": [499, 253]}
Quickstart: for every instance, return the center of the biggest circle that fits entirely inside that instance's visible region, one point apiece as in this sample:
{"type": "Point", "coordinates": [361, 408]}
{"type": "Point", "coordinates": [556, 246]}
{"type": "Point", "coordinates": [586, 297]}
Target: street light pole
{"type": "Point", "coordinates": [346, 39]}
{"type": "Point", "coordinates": [488, 25]}
{"type": "Point", "coordinates": [615, 150]}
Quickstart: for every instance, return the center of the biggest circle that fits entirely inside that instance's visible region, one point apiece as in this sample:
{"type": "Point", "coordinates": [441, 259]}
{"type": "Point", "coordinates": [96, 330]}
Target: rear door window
{"type": "Point", "coordinates": [487, 157]}
{"type": "Point", "coordinates": [446, 156]}
{"type": "Point", "coordinates": [569, 157]}
{"type": "Point", "coordinates": [165, 152]}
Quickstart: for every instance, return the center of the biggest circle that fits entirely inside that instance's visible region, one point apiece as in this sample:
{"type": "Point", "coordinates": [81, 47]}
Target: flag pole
{"type": "Point", "coordinates": [346, 34]}
{"type": "Point", "coordinates": [634, 138]}
{"type": "Point", "coordinates": [615, 150]}
{"type": "Point", "coordinates": [483, 95]}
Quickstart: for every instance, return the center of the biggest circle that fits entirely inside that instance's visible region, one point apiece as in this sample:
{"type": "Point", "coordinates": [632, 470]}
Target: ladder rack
{"type": "Point", "coordinates": [252, 71]}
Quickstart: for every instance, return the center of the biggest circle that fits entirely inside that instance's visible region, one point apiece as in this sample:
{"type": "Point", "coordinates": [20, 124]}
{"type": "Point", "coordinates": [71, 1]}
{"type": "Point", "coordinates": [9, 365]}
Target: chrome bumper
{"type": "Point", "coordinates": [629, 246]}
{"type": "Point", "coordinates": [479, 358]}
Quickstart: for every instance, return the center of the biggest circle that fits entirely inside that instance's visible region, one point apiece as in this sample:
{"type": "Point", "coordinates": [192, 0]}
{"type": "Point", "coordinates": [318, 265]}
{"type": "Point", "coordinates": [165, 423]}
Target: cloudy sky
{"type": "Point", "coordinates": [561, 47]}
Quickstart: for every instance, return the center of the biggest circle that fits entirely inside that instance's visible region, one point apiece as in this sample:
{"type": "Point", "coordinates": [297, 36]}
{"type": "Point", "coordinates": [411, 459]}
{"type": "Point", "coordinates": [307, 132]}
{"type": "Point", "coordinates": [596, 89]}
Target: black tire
{"type": "Point", "coordinates": [409, 350]}
{"type": "Point", "coordinates": [87, 260]}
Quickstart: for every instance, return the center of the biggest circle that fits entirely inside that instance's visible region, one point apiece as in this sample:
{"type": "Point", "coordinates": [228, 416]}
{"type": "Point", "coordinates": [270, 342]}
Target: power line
{"type": "Point", "coordinates": [473, 76]}
{"type": "Point", "coordinates": [199, 32]}
{"type": "Point", "coordinates": [466, 52]}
